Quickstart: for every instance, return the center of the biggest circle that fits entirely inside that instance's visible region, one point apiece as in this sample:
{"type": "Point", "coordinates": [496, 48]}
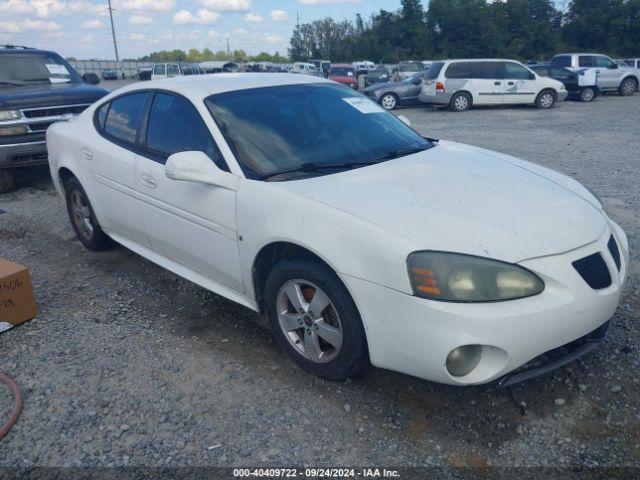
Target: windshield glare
{"type": "Point", "coordinates": [301, 124]}
{"type": "Point", "coordinates": [30, 68]}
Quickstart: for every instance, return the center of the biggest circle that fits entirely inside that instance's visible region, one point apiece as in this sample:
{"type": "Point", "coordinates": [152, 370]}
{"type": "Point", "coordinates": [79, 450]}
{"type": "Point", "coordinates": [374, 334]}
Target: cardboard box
{"type": "Point", "coordinates": [17, 304]}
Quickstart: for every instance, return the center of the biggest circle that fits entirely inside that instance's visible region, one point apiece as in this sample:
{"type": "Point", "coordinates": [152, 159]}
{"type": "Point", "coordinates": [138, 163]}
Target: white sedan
{"type": "Point", "coordinates": [362, 241]}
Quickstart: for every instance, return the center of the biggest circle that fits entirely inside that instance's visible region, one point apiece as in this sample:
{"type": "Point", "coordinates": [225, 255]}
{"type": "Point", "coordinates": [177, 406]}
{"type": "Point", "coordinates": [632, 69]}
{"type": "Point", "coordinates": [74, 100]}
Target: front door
{"type": "Point", "coordinates": [608, 72]}
{"type": "Point", "coordinates": [519, 85]}
{"type": "Point", "coordinates": [191, 223]}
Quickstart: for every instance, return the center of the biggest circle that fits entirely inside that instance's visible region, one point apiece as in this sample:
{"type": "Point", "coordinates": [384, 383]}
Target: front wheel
{"type": "Point", "coordinates": [587, 94]}
{"type": "Point", "coordinates": [389, 101]}
{"type": "Point", "coordinates": [82, 217]}
{"type": "Point", "coordinates": [314, 320]}
{"type": "Point", "coordinates": [546, 100]}
{"type": "Point", "coordinates": [7, 180]}
{"type": "Point", "coordinates": [628, 87]}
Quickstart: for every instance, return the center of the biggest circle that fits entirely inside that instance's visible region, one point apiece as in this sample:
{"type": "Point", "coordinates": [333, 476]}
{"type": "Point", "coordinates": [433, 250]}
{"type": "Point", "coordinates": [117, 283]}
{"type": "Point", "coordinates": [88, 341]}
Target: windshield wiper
{"type": "Point", "coordinates": [401, 152]}
{"type": "Point", "coordinates": [315, 166]}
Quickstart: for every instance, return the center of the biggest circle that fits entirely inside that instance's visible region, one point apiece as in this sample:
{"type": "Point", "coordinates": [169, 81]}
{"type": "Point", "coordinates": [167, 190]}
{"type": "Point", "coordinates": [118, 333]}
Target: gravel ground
{"type": "Point", "coordinates": [127, 364]}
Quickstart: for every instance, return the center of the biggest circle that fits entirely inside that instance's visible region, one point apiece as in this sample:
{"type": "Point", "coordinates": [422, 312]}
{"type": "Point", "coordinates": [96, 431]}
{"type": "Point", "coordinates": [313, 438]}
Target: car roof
{"type": "Point", "coordinates": [342, 65]}
{"type": "Point", "coordinates": [204, 85]}
{"type": "Point", "coordinates": [18, 50]}
{"type": "Point", "coordinates": [481, 60]}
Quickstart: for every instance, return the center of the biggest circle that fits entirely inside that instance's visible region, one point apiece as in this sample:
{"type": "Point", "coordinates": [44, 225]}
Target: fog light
{"type": "Point", "coordinates": [17, 130]}
{"type": "Point", "coordinates": [462, 360]}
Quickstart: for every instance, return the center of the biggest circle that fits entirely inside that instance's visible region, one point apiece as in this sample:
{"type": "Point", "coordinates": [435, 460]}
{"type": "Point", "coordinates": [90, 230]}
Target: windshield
{"type": "Point", "coordinates": [378, 73]}
{"type": "Point", "coordinates": [341, 72]}
{"type": "Point", "coordinates": [409, 67]}
{"type": "Point", "coordinates": [299, 125]}
{"type": "Point", "coordinates": [33, 68]}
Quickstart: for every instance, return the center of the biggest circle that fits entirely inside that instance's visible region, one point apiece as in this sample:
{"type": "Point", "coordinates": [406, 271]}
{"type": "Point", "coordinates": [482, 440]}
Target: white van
{"type": "Point", "coordinates": [305, 68]}
{"type": "Point", "coordinates": [459, 84]}
{"type": "Point", "coordinates": [167, 70]}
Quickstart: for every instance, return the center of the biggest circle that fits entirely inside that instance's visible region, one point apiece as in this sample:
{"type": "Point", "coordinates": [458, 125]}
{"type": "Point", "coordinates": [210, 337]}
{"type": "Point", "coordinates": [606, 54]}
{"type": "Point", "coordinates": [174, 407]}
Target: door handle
{"type": "Point", "coordinates": [148, 181]}
{"type": "Point", "coordinates": [497, 83]}
{"type": "Point", "coordinates": [510, 83]}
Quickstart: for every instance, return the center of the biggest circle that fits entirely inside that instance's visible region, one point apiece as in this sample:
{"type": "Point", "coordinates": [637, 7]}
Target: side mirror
{"type": "Point", "coordinates": [197, 167]}
{"type": "Point", "coordinates": [613, 66]}
{"type": "Point", "coordinates": [404, 120]}
{"type": "Point", "coordinates": [91, 78]}
{"type": "Point", "coordinates": [532, 76]}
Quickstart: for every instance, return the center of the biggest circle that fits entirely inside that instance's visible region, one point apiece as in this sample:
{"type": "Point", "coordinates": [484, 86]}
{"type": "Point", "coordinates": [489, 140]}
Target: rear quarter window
{"type": "Point", "coordinates": [458, 70]}
{"type": "Point", "coordinates": [434, 70]}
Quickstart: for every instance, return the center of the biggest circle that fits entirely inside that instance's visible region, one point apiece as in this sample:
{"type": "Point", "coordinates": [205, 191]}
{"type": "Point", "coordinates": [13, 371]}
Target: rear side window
{"type": "Point", "coordinates": [172, 69]}
{"type": "Point", "coordinates": [561, 61]}
{"type": "Point", "coordinates": [544, 71]}
{"type": "Point", "coordinates": [458, 70]}
{"type": "Point", "coordinates": [176, 126]}
{"type": "Point", "coordinates": [124, 116]}
{"type": "Point", "coordinates": [486, 70]}
{"type": "Point", "coordinates": [586, 61]}
{"type": "Point", "coordinates": [561, 72]}
{"type": "Point", "coordinates": [515, 71]}
{"type": "Point", "coordinates": [434, 70]}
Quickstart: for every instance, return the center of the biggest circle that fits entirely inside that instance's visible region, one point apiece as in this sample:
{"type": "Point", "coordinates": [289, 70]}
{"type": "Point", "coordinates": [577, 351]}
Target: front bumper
{"type": "Point", "coordinates": [23, 154]}
{"type": "Point", "coordinates": [562, 95]}
{"type": "Point", "coordinates": [414, 336]}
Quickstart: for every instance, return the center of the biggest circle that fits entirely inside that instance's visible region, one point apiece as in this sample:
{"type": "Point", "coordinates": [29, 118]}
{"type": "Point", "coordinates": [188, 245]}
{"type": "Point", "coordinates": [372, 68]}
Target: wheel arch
{"type": "Point", "coordinates": [463, 90]}
{"type": "Point", "coordinates": [64, 174]}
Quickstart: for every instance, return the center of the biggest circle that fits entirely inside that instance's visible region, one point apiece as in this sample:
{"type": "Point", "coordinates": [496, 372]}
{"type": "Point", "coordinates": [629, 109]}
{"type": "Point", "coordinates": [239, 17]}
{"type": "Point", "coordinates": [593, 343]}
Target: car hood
{"type": "Point", "coordinates": [45, 95]}
{"type": "Point", "coordinates": [464, 199]}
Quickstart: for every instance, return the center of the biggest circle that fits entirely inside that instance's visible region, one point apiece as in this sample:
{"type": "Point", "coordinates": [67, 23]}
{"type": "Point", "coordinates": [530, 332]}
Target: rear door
{"type": "Point", "coordinates": [487, 81]}
{"type": "Point", "coordinates": [191, 223]}
{"type": "Point", "coordinates": [159, 71]}
{"type": "Point", "coordinates": [519, 85]}
{"type": "Point", "coordinates": [112, 164]}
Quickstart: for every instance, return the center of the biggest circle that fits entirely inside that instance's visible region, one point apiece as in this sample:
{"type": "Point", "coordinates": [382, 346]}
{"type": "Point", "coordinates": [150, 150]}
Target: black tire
{"type": "Point", "coordinates": [587, 94]}
{"type": "Point", "coordinates": [94, 238]}
{"type": "Point", "coordinates": [7, 180]}
{"type": "Point", "coordinates": [353, 356]}
{"type": "Point", "coordinates": [460, 102]}
{"type": "Point", "coordinates": [546, 99]}
{"type": "Point", "coordinates": [628, 87]}
{"type": "Point", "coordinates": [389, 101]}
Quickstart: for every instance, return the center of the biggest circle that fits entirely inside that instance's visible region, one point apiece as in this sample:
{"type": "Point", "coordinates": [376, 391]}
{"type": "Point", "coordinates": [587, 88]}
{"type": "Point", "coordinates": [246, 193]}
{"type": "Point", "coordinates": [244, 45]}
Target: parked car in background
{"type": "Point", "coordinates": [581, 84]}
{"type": "Point", "coordinates": [344, 73]}
{"type": "Point", "coordinates": [365, 65]}
{"type": "Point", "coordinates": [37, 88]}
{"type": "Point", "coordinates": [144, 73]}
{"type": "Point", "coordinates": [305, 68]}
{"type": "Point", "coordinates": [609, 76]}
{"type": "Point", "coordinates": [633, 62]}
{"type": "Point", "coordinates": [461, 84]}
{"type": "Point", "coordinates": [436, 259]}
{"type": "Point", "coordinates": [110, 74]}
{"type": "Point", "coordinates": [323, 65]}
{"type": "Point", "coordinates": [408, 69]}
{"type": "Point", "coordinates": [395, 94]}
{"type": "Point", "coordinates": [378, 75]}
{"type": "Point", "coordinates": [168, 70]}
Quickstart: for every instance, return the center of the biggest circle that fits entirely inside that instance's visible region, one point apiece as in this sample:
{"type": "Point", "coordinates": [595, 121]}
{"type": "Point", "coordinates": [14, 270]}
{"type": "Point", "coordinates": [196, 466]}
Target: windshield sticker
{"type": "Point", "coordinates": [364, 105]}
{"type": "Point", "coordinates": [55, 69]}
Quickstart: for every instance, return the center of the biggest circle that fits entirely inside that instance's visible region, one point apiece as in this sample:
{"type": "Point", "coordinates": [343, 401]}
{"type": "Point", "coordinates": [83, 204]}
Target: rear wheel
{"type": "Point", "coordinates": [587, 94]}
{"type": "Point", "coordinates": [628, 87]}
{"type": "Point", "coordinates": [7, 180]}
{"type": "Point", "coordinates": [389, 101]}
{"type": "Point", "coordinates": [83, 219]}
{"type": "Point", "coordinates": [546, 99]}
{"type": "Point", "coordinates": [314, 320]}
{"type": "Point", "coordinates": [460, 102]}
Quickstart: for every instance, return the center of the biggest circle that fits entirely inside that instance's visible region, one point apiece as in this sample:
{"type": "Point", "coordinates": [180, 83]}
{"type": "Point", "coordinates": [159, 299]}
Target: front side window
{"type": "Point", "coordinates": [543, 71]}
{"type": "Point", "coordinates": [173, 69]}
{"type": "Point", "coordinates": [18, 69]}
{"type": "Point", "coordinates": [604, 62]}
{"type": "Point", "coordinates": [123, 117]}
{"type": "Point", "coordinates": [159, 69]}
{"type": "Point", "coordinates": [300, 126]}
{"type": "Point", "coordinates": [560, 72]}
{"type": "Point", "coordinates": [176, 126]}
{"type": "Point", "coordinates": [516, 72]}
{"type": "Point", "coordinates": [486, 70]}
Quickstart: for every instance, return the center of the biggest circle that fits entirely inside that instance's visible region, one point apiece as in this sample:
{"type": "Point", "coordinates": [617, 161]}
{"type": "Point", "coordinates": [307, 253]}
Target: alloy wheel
{"type": "Point", "coordinates": [81, 213]}
{"type": "Point", "coordinates": [628, 87]}
{"type": "Point", "coordinates": [389, 102]}
{"type": "Point", "coordinates": [309, 321]}
{"type": "Point", "coordinates": [587, 94]}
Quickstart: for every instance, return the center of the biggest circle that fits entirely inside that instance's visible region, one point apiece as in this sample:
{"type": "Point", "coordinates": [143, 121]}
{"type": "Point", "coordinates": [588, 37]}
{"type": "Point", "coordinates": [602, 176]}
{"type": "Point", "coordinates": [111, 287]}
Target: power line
{"type": "Point", "coordinates": [113, 32]}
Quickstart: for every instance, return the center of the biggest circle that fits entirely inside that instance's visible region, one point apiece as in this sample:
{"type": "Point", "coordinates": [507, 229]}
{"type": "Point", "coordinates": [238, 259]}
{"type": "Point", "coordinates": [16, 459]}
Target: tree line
{"type": "Point", "coordinates": [195, 55]}
{"type": "Point", "coordinates": [521, 29]}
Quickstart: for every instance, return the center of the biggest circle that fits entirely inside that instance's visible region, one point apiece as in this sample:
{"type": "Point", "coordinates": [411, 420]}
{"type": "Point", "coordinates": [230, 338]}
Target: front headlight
{"type": "Point", "coordinates": [455, 277]}
{"type": "Point", "coordinates": [10, 115]}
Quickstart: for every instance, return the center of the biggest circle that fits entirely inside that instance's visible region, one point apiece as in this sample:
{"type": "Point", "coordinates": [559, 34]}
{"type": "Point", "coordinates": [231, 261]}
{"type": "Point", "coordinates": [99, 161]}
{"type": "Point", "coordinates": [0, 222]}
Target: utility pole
{"type": "Point", "coordinates": [228, 50]}
{"type": "Point", "coordinates": [297, 19]}
{"type": "Point", "coordinates": [113, 32]}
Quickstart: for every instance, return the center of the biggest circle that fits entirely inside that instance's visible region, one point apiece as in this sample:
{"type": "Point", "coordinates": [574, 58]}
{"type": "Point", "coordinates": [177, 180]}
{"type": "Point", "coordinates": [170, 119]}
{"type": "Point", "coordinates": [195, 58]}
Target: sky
{"type": "Point", "coordinates": [81, 28]}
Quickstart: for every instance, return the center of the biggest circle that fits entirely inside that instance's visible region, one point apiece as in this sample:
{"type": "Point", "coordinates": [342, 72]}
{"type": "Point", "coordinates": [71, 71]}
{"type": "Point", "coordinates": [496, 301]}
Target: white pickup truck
{"type": "Point", "coordinates": [609, 76]}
